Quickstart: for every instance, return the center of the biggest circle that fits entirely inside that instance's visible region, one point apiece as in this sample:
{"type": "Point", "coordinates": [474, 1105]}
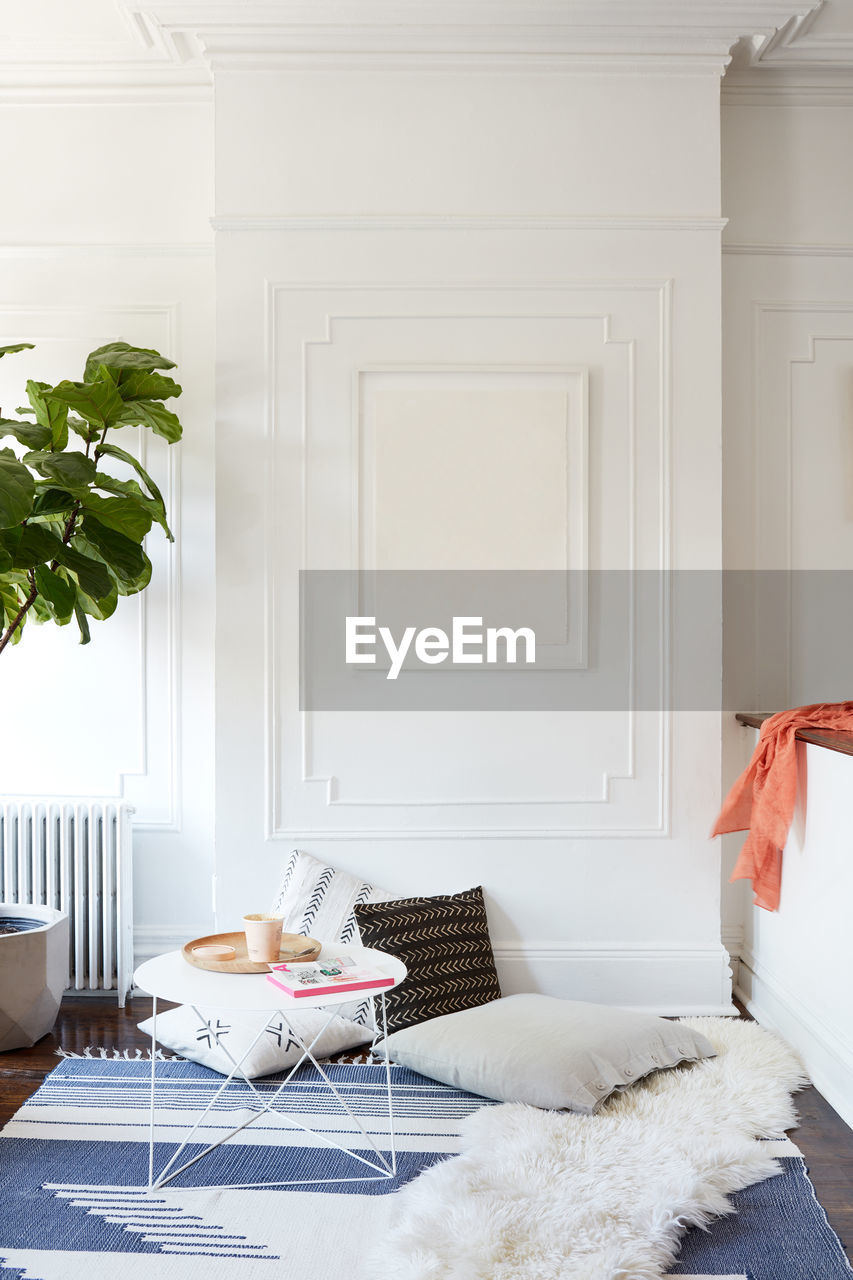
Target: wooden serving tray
{"type": "Point", "coordinates": [291, 943]}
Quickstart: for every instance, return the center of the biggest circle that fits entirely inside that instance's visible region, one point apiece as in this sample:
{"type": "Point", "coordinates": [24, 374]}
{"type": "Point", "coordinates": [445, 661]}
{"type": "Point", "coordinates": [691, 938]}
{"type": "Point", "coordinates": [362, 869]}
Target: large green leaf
{"type": "Point", "coordinates": [35, 545]}
{"type": "Point", "coordinates": [40, 610]}
{"type": "Point", "coordinates": [82, 429]}
{"type": "Point", "coordinates": [92, 574]}
{"type": "Point", "coordinates": [123, 514]}
{"type": "Point", "coordinates": [100, 609]}
{"type": "Point", "coordinates": [10, 604]}
{"type": "Point", "coordinates": [126, 559]}
{"type": "Point", "coordinates": [135, 384]}
{"type": "Point", "coordinates": [103, 480]}
{"type": "Point", "coordinates": [150, 413]}
{"type": "Point", "coordinates": [28, 433]}
{"type": "Point", "coordinates": [17, 490]}
{"type": "Point", "coordinates": [52, 502]}
{"type": "Point", "coordinates": [113, 451]}
{"type": "Point", "coordinates": [120, 355]}
{"type": "Point", "coordinates": [131, 489]}
{"type": "Point", "coordinates": [16, 346]}
{"type": "Point", "coordinates": [49, 413]}
{"type": "Point", "coordinates": [72, 471]}
{"type": "Point", "coordinates": [59, 594]}
{"type": "Point", "coordinates": [98, 402]}
{"type": "Point", "coordinates": [10, 539]}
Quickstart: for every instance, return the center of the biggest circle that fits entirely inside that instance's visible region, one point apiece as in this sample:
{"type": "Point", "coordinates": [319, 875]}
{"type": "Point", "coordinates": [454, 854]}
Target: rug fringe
{"type": "Point", "coordinates": [123, 1055]}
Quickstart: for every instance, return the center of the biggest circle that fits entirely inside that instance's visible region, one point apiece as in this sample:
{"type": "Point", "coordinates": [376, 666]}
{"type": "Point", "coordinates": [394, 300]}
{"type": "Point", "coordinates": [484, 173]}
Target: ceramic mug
{"type": "Point", "coordinates": [263, 937]}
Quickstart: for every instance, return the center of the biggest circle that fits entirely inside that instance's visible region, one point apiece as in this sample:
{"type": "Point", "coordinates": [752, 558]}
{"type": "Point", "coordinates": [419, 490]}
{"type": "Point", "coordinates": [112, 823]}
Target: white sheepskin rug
{"type": "Point", "coordinates": [544, 1195]}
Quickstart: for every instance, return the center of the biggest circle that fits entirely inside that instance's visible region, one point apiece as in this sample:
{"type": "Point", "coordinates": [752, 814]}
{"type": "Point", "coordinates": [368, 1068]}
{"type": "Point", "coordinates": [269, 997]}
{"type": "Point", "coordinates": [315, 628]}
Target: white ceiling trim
{"type": "Point", "coordinates": [173, 47]}
{"type": "Point", "coordinates": [798, 63]}
{"type": "Point", "coordinates": [798, 47]}
{"type": "Point", "coordinates": [663, 33]}
{"type": "Point", "coordinates": [475, 222]}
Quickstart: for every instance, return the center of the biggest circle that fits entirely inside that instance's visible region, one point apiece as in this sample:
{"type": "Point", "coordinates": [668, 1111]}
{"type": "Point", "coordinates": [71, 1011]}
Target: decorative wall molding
{"type": "Point", "coordinates": [82, 249]}
{"type": "Point", "coordinates": [294, 831]}
{"type": "Point", "coordinates": [134, 62]}
{"type": "Point", "coordinates": [97, 86]}
{"type": "Point", "coordinates": [761, 250]}
{"type": "Point", "coordinates": [665, 36]}
{"type": "Point", "coordinates": [826, 1054]}
{"type": "Point", "coordinates": [732, 939]}
{"type": "Point", "coordinates": [760, 88]}
{"type": "Point", "coordinates": [772, 376]}
{"type": "Point", "coordinates": [173, 47]}
{"type": "Point", "coordinates": [455, 222]}
{"type": "Point", "coordinates": [573, 381]}
{"type": "Point", "coordinates": [797, 45]}
{"type": "Point", "coordinates": [620, 973]}
{"type": "Point", "coordinates": [798, 64]}
{"type": "Point", "coordinates": [391, 57]}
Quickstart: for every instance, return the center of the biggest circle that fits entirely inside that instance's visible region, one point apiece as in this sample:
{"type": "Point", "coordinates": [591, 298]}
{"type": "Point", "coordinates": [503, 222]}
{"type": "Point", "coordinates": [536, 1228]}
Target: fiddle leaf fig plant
{"type": "Point", "coordinates": [71, 531]}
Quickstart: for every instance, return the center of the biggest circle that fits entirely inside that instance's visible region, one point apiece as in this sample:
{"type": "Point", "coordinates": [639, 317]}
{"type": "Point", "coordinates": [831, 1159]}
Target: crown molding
{"type": "Point", "coordinates": [141, 68]}
{"type": "Point", "coordinates": [767, 250]}
{"type": "Point", "coordinates": [799, 46]}
{"type": "Point", "coordinates": [797, 63]}
{"type": "Point", "coordinates": [98, 86]}
{"type": "Point", "coordinates": [475, 222]}
{"type": "Point", "coordinates": [660, 35]}
{"type": "Point", "coordinates": [173, 47]}
{"type": "Point", "coordinates": [762, 88]}
{"type": "Point", "coordinates": [103, 249]}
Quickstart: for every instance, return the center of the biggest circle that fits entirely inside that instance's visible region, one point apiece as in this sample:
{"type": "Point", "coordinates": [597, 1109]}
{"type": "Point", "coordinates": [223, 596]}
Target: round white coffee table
{"type": "Point", "coordinates": [171, 977]}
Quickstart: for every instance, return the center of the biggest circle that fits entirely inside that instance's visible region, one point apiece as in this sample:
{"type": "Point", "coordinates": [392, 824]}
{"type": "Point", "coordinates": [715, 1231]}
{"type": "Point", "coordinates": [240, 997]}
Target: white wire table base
{"type": "Point", "coordinates": [383, 1167]}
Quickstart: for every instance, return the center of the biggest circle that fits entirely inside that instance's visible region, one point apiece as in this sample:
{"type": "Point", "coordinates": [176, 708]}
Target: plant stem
{"type": "Point", "coordinates": [22, 612]}
{"type": "Point", "coordinates": [75, 510]}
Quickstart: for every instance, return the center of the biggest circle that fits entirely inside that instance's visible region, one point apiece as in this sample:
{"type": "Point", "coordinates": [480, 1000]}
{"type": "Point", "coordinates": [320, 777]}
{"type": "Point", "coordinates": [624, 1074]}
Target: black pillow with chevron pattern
{"type": "Point", "coordinates": [444, 943]}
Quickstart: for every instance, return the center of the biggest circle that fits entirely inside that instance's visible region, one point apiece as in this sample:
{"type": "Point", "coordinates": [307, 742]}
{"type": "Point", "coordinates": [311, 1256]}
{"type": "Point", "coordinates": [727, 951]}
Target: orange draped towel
{"type": "Point", "coordinates": [762, 799]}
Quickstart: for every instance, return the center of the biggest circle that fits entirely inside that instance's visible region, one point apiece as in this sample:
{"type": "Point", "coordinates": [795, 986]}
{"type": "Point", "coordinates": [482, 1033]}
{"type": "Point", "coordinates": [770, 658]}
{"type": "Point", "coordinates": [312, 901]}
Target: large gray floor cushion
{"type": "Point", "coordinates": [557, 1054]}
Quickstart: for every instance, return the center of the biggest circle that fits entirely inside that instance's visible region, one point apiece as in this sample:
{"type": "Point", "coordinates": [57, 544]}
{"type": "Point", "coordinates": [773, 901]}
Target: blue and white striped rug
{"type": "Point", "coordinates": [74, 1160]}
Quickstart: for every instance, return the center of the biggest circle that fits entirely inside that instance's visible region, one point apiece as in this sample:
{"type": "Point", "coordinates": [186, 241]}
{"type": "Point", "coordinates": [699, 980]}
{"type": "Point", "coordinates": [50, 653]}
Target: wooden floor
{"type": "Point", "coordinates": [823, 1137]}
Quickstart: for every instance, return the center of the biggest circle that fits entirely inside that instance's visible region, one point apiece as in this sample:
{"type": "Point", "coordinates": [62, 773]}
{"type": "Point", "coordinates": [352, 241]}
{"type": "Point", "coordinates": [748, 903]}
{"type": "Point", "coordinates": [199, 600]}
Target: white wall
{"type": "Point", "coordinates": [425, 221]}
{"type": "Point", "coordinates": [543, 194]}
{"type": "Point", "coordinates": [796, 963]}
{"type": "Point", "coordinates": [107, 236]}
{"type": "Point", "coordinates": [787, 432]}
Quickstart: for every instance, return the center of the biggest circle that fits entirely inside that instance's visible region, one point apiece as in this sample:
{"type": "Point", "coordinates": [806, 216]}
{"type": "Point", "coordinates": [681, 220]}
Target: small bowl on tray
{"type": "Point", "coordinates": [296, 948]}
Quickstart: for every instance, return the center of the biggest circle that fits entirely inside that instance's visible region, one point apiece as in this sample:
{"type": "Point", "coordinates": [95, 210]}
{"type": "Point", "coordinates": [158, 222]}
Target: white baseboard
{"type": "Point", "coordinates": [151, 940]}
{"type": "Point", "coordinates": [672, 980]}
{"type": "Point", "coordinates": [826, 1055]}
{"type": "Point", "coordinates": [676, 981]}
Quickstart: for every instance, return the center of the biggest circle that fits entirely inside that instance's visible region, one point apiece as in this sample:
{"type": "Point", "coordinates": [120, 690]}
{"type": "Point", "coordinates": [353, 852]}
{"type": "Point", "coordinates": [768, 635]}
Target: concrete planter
{"type": "Point", "coordinates": [33, 974]}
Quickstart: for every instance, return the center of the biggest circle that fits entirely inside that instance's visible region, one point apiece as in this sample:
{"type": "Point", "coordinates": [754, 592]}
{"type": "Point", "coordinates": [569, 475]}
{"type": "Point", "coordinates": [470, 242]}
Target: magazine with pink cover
{"type": "Point", "coordinates": [327, 977]}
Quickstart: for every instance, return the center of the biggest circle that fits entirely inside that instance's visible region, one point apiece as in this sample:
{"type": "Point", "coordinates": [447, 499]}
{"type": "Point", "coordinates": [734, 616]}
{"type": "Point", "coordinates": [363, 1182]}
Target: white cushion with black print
{"type": "Point", "coordinates": [319, 901]}
{"type": "Point", "coordinates": [205, 1039]}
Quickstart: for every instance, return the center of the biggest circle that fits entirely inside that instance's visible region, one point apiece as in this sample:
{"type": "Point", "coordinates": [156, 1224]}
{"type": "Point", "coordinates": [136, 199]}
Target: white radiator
{"type": "Point", "coordinates": [76, 856]}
